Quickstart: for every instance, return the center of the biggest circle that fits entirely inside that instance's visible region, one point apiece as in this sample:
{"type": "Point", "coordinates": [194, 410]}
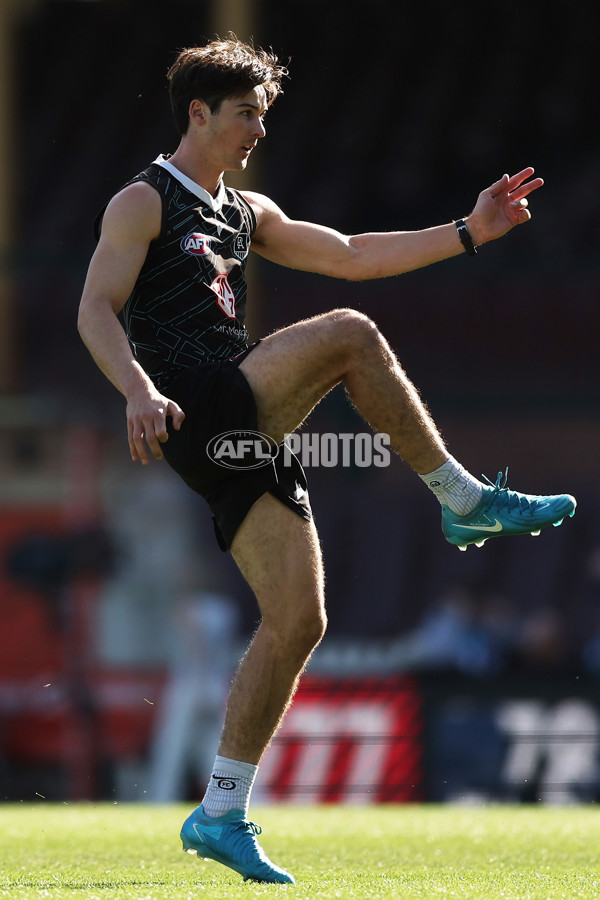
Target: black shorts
{"type": "Point", "coordinates": [217, 399]}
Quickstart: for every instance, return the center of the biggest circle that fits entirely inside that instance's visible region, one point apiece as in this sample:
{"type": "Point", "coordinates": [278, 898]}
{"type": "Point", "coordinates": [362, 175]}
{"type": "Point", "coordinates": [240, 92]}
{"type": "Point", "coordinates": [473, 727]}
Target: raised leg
{"type": "Point", "coordinates": [292, 369]}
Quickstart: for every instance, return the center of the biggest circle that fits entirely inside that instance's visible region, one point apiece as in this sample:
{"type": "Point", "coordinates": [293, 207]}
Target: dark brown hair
{"type": "Point", "coordinates": [220, 70]}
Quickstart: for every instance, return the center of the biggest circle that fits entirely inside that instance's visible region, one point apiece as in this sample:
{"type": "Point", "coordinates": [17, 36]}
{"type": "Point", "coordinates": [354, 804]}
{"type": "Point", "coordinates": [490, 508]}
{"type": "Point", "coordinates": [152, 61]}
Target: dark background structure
{"type": "Point", "coordinates": [395, 116]}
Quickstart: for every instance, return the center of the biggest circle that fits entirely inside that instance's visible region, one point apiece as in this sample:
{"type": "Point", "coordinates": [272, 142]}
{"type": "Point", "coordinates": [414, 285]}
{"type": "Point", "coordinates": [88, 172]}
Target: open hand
{"type": "Point", "coordinates": [502, 206]}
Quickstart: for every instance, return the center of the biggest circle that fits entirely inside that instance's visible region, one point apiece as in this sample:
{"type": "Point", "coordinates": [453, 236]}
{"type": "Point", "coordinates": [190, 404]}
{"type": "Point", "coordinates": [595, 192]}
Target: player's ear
{"type": "Point", "coordinates": [198, 112]}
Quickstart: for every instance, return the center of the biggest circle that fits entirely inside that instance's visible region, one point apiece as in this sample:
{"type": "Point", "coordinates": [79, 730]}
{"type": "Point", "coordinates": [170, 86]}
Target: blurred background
{"type": "Point", "coordinates": [444, 675]}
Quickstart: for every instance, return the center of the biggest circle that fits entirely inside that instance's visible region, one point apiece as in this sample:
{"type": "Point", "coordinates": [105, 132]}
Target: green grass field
{"type": "Point", "coordinates": [133, 851]}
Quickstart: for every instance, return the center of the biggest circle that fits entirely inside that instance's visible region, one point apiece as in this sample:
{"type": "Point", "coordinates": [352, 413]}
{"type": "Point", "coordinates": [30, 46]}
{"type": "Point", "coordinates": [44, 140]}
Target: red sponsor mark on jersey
{"type": "Point", "coordinates": [225, 295]}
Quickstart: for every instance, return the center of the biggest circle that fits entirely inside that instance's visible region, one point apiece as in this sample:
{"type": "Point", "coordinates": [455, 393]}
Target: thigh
{"type": "Point", "coordinates": [292, 369]}
{"type": "Point", "coordinates": [279, 555]}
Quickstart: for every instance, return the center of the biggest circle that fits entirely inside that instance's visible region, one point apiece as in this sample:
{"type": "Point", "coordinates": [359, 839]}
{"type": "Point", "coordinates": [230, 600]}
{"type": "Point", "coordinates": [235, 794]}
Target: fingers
{"type": "Point", "coordinates": [524, 189]}
{"type": "Point", "coordinates": [503, 205]}
{"type": "Point", "coordinates": [142, 438]}
{"type": "Point", "coordinates": [132, 448]}
{"type": "Point", "coordinates": [498, 186]}
{"type": "Point", "coordinates": [176, 413]}
{"type": "Point", "coordinates": [137, 445]}
{"type": "Point", "coordinates": [147, 430]}
{"type": "Point", "coordinates": [516, 185]}
{"type": "Point", "coordinates": [519, 204]}
{"type": "Point", "coordinates": [517, 196]}
{"type": "Point", "coordinates": [160, 429]}
{"type": "Point", "coordinates": [177, 416]}
{"type": "Point", "coordinates": [520, 211]}
{"type": "Point", "coordinates": [515, 180]}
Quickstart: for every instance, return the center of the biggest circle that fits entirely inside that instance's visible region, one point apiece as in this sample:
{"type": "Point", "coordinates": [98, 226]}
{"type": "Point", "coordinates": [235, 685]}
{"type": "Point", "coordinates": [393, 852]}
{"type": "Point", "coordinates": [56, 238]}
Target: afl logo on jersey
{"type": "Point", "coordinates": [195, 243]}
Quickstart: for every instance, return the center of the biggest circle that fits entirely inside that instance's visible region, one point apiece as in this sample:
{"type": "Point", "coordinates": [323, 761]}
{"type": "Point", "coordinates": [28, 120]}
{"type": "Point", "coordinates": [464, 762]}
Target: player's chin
{"type": "Point", "coordinates": [244, 157]}
{"type": "Point", "coordinates": [237, 165]}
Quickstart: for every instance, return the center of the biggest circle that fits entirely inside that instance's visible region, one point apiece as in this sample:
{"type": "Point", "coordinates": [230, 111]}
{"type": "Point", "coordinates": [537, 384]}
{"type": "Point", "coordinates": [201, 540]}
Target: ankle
{"type": "Point", "coordinates": [454, 487]}
{"type": "Point", "coordinates": [229, 786]}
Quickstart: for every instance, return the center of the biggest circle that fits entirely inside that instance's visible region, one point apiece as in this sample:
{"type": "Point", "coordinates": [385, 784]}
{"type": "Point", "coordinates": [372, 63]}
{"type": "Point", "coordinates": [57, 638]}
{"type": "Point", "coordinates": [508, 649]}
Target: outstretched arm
{"type": "Point", "coordinates": [315, 248]}
{"type": "Point", "coordinates": [131, 221]}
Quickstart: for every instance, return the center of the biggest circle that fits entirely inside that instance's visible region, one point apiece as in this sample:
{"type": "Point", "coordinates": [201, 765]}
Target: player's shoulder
{"type": "Point", "coordinates": [138, 207]}
{"type": "Point", "coordinates": [262, 206]}
{"type": "Point", "coordinates": [137, 194]}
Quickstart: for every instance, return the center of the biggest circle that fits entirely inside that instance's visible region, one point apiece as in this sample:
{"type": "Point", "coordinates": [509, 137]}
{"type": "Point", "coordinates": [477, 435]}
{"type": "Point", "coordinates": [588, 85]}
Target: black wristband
{"type": "Point", "coordinates": [465, 238]}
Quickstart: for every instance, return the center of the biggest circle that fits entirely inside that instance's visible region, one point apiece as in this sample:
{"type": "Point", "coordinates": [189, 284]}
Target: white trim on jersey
{"type": "Point", "coordinates": [215, 203]}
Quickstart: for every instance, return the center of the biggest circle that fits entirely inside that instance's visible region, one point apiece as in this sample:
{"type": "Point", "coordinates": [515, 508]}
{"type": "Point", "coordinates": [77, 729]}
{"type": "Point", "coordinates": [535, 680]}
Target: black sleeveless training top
{"type": "Point", "coordinates": [188, 305]}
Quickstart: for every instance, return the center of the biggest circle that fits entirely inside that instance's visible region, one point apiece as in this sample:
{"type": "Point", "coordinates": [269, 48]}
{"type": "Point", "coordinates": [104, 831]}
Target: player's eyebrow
{"type": "Point", "coordinates": [251, 106]}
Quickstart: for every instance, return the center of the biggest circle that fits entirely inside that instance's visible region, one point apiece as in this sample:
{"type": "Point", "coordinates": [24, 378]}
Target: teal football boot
{"type": "Point", "coordinates": [502, 511]}
{"type": "Point", "coordinates": [231, 840]}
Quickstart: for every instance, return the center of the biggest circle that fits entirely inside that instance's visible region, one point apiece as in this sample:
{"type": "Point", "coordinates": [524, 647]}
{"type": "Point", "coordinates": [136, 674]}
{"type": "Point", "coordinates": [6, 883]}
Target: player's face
{"type": "Point", "coordinates": [236, 129]}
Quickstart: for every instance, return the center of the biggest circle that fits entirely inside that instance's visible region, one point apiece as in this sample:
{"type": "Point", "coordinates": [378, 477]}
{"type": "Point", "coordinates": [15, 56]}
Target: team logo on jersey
{"type": "Point", "coordinates": [241, 245]}
{"type": "Point", "coordinates": [195, 243]}
{"type": "Point", "coordinates": [225, 295]}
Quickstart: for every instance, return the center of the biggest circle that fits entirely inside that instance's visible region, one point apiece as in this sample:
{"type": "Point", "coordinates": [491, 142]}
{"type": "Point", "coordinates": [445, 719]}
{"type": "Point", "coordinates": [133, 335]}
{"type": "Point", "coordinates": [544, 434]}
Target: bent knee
{"type": "Point", "coordinates": [315, 628]}
{"type": "Point", "coordinates": [299, 633]}
{"type": "Point", "coordinates": [351, 319]}
{"type": "Point", "coordinates": [307, 630]}
{"type": "Point", "coordinates": [354, 329]}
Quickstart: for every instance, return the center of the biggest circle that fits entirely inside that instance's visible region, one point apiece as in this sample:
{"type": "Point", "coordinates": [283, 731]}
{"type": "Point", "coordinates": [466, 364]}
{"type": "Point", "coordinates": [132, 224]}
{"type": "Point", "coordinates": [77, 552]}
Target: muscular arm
{"type": "Point", "coordinates": [131, 221]}
{"type": "Point", "coordinates": [314, 248]}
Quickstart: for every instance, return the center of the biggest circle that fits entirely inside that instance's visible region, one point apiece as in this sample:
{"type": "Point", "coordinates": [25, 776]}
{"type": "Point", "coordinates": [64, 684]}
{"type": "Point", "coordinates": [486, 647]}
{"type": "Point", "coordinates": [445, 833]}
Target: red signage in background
{"type": "Point", "coordinates": [348, 740]}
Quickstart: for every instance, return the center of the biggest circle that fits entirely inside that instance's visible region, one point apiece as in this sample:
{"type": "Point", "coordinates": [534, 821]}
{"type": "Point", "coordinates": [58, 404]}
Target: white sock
{"type": "Point", "coordinates": [229, 786]}
{"type": "Point", "coordinates": [454, 487]}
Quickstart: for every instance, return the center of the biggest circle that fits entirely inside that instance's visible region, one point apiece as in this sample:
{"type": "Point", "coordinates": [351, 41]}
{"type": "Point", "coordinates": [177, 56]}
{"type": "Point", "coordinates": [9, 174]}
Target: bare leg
{"type": "Point", "coordinates": [292, 369]}
{"type": "Point", "coordinates": [279, 555]}
{"type": "Point", "coordinates": [277, 552]}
